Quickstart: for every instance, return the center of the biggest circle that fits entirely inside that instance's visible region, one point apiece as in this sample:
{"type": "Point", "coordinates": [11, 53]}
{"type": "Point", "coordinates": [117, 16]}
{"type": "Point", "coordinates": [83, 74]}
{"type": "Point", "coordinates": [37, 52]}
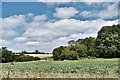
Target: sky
{"type": "Point", "coordinates": [43, 25]}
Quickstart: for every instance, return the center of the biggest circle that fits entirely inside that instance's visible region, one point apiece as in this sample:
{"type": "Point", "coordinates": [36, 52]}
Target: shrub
{"type": "Point", "coordinates": [22, 58]}
{"type": "Point", "coordinates": [7, 56]}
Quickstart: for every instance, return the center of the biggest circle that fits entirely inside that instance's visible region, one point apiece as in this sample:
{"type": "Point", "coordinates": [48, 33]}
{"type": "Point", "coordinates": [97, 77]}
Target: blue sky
{"type": "Point", "coordinates": [46, 25]}
{"type": "Point", "coordinates": [17, 8]}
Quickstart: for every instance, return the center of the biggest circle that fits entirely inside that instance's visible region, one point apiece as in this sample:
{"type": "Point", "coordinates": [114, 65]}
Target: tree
{"type": "Point", "coordinates": [36, 51]}
{"type": "Point", "coordinates": [69, 55]}
{"type": "Point", "coordinates": [90, 45]}
{"type": "Point", "coordinates": [106, 45]}
{"type": "Point", "coordinates": [7, 56]}
{"type": "Point", "coordinates": [71, 43]}
{"type": "Point", "coordinates": [108, 41]}
{"type": "Point", "coordinates": [65, 55]}
{"type": "Point", "coordinates": [82, 50]}
{"type": "Point", "coordinates": [57, 52]}
{"type": "Point", "coordinates": [4, 48]}
{"type": "Point", "coordinates": [79, 41]}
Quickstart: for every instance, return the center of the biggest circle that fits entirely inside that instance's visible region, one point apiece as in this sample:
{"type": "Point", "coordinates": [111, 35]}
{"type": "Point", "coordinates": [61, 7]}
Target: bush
{"type": "Point", "coordinates": [36, 58]}
{"type": "Point", "coordinates": [22, 58]}
{"type": "Point", "coordinates": [6, 56]}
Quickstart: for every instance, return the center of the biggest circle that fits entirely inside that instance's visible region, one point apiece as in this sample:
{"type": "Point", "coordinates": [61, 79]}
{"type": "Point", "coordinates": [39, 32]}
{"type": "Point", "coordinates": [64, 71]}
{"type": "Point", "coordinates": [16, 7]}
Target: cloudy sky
{"type": "Point", "coordinates": [47, 25]}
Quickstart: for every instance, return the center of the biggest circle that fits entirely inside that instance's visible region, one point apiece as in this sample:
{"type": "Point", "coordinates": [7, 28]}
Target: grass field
{"type": "Point", "coordinates": [86, 68]}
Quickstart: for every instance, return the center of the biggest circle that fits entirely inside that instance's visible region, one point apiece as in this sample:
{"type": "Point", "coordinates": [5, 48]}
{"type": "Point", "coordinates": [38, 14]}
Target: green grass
{"type": "Point", "coordinates": [80, 68]}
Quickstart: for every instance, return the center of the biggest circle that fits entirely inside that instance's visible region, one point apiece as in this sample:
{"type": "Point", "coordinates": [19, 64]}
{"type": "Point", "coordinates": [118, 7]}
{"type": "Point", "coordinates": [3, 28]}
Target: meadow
{"type": "Point", "coordinates": [84, 68]}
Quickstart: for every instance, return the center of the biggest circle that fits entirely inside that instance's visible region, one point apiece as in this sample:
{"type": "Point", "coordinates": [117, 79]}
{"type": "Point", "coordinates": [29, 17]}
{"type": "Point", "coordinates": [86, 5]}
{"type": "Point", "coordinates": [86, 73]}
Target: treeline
{"type": "Point", "coordinates": [9, 56]}
{"type": "Point", "coordinates": [106, 45]}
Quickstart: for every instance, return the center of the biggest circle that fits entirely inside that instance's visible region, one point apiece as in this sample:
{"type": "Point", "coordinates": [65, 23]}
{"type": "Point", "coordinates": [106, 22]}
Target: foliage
{"type": "Point", "coordinates": [21, 58]}
{"type": "Point", "coordinates": [108, 42]}
{"type": "Point", "coordinates": [9, 56]}
{"type": "Point", "coordinates": [57, 52]}
{"type": "Point", "coordinates": [71, 43]}
{"type": "Point", "coordinates": [75, 50]}
{"type": "Point", "coordinates": [106, 45]}
{"type": "Point", "coordinates": [69, 55]}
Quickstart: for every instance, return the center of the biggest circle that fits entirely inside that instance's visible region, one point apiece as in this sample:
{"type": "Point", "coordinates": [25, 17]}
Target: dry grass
{"type": "Point", "coordinates": [53, 75]}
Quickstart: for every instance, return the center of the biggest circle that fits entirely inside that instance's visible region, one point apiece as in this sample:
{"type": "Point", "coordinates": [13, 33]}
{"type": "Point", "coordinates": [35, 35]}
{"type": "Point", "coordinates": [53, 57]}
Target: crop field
{"type": "Point", "coordinates": [86, 68]}
{"type": "Point", "coordinates": [40, 55]}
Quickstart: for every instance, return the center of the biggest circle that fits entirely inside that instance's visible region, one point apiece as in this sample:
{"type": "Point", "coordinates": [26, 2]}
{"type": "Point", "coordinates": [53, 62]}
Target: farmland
{"type": "Point", "coordinates": [85, 68]}
{"type": "Point", "coordinates": [40, 55]}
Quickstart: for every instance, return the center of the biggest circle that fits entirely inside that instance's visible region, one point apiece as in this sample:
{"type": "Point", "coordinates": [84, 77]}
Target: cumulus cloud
{"type": "Point", "coordinates": [65, 12]}
{"type": "Point", "coordinates": [60, 1]}
{"type": "Point", "coordinates": [100, 0]}
{"type": "Point", "coordinates": [19, 1]}
{"type": "Point", "coordinates": [30, 32]}
{"type": "Point", "coordinates": [54, 34]}
{"type": "Point", "coordinates": [0, 27]}
{"type": "Point", "coordinates": [45, 35]}
{"type": "Point", "coordinates": [33, 43]}
{"type": "Point", "coordinates": [9, 33]}
{"type": "Point", "coordinates": [57, 0]}
{"type": "Point", "coordinates": [65, 27]}
{"type": "Point", "coordinates": [20, 39]}
{"type": "Point", "coordinates": [40, 18]}
{"type": "Point", "coordinates": [108, 13]}
{"type": "Point", "coordinates": [86, 13]}
{"type": "Point", "coordinates": [4, 42]}
{"type": "Point", "coordinates": [11, 23]}
{"type": "Point", "coordinates": [1, 41]}
{"type": "Point", "coordinates": [77, 0]}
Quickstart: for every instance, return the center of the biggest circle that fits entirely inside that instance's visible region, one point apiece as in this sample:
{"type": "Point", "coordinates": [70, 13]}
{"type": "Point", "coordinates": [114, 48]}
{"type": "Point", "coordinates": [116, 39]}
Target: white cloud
{"type": "Point", "coordinates": [54, 34]}
{"type": "Point", "coordinates": [19, 1]}
{"type": "Point", "coordinates": [0, 27]}
{"type": "Point", "coordinates": [40, 18]}
{"type": "Point", "coordinates": [9, 33]}
{"type": "Point", "coordinates": [108, 13]}
{"type": "Point", "coordinates": [10, 23]}
{"type": "Point", "coordinates": [86, 13]}
{"type": "Point", "coordinates": [46, 35]}
{"type": "Point", "coordinates": [2, 41]}
{"type": "Point", "coordinates": [13, 21]}
{"type": "Point", "coordinates": [60, 1]}
{"type": "Point", "coordinates": [100, 0]}
{"type": "Point", "coordinates": [65, 12]}
{"type": "Point", "coordinates": [29, 14]}
{"type": "Point", "coordinates": [77, 0]}
{"type": "Point", "coordinates": [32, 43]}
{"type": "Point", "coordinates": [20, 39]}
